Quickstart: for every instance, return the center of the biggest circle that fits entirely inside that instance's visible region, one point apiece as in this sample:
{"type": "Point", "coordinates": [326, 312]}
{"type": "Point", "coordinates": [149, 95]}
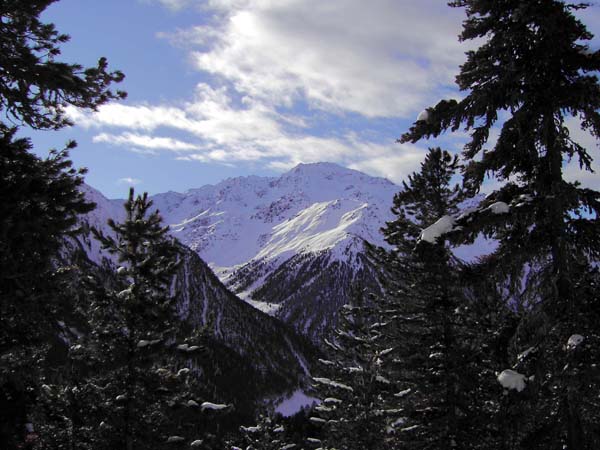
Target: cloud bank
{"type": "Point", "coordinates": [289, 81]}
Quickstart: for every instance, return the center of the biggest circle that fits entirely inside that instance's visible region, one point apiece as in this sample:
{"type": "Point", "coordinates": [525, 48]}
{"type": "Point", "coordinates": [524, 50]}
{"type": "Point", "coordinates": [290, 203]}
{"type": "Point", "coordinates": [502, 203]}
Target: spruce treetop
{"type": "Point", "coordinates": [535, 67]}
{"type": "Point", "coordinates": [426, 196]}
{"type": "Point", "coordinates": [149, 257]}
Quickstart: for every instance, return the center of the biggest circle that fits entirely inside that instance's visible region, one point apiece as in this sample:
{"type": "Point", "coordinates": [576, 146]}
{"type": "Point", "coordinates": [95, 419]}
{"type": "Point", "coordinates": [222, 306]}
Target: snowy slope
{"type": "Point", "coordinates": [311, 208]}
{"type": "Point", "coordinates": [257, 232]}
{"type": "Point", "coordinates": [97, 218]}
{"type": "Point", "coordinates": [275, 357]}
{"type": "Point", "coordinates": [291, 246]}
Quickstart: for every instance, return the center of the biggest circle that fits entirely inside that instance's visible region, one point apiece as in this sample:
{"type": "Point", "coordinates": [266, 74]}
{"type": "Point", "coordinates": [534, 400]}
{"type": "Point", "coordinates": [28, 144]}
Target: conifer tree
{"type": "Point", "coordinates": [267, 434]}
{"type": "Point", "coordinates": [432, 325]}
{"type": "Point", "coordinates": [39, 208]}
{"type": "Point", "coordinates": [533, 73]}
{"type": "Point", "coordinates": [149, 393]}
{"type": "Point", "coordinates": [358, 409]}
{"type": "Point", "coordinates": [423, 199]}
{"type": "Point", "coordinates": [35, 87]}
{"type": "Point", "coordinates": [40, 202]}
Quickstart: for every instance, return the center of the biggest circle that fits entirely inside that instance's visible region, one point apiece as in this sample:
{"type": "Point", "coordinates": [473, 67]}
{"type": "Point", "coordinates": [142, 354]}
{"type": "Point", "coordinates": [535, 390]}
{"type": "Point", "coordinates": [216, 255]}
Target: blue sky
{"type": "Point", "coordinates": [222, 88]}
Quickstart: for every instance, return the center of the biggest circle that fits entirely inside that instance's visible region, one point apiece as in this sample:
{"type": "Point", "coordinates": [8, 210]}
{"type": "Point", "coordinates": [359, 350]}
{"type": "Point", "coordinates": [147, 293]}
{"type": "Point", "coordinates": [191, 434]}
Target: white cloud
{"type": "Point", "coordinates": [382, 59]}
{"type": "Point", "coordinates": [221, 132]}
{"type": "Point", "coordinates": [275, 68]}
{"type": "Point", "coordinates": [144, 142]}
{"type": "Point", "coordinates": [129, 181]}
{"type": "Point", "coordinates": [285, 75]}
{"type": "Point", "coordinates": [395, 165]}
{"type": "Point", "coordinates": [139, 117]}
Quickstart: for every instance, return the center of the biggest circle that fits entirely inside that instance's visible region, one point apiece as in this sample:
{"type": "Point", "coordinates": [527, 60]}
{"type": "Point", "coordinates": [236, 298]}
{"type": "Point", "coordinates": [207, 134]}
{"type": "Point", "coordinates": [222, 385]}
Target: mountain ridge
{"type": "Point", "coordinates": [276, 358]}
{"type": "Point", "coordinates": [254, 230]}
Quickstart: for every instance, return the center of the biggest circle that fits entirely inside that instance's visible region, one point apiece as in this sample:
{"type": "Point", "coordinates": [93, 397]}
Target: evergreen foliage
{"type": "Point", "coordinates": [35, 88]}
{"type": "Point", "coordinates": [423, 199]}
{"type": "Point", "coordinates": [39, 208]}
{"type": "Point", "coordinates": [40, 204]}
{"type": "Point", "coordinates": [149, 393]}
{"type": "Point", "coordinates": [267, 434]}
{"type": "Point", "coordinates": [533, 72]}
{"type": "Point", "coordinates": [435, 329]}
{"type": "Point", "coordinates": [358, 408]}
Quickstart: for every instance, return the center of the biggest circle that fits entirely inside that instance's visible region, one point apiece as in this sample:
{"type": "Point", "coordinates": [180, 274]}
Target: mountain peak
{"type": "Point", "coordinates": [255, 230]}
{"type": "Point", "coordinates": [330, 172]}
{"type": "Point", "coordinates": [318, 165]}
{"type": "Point", "coordinates": [319, 168]}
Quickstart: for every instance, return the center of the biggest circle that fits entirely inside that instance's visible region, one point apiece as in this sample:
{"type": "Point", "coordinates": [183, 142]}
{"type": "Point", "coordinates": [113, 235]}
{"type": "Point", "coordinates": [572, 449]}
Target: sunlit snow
{"type": "Point", "coordinates": [499, 208]}
{"type": "Point", "coordinates": [423, 116]}
{"type": "Point", "coordinates": [433, 232]}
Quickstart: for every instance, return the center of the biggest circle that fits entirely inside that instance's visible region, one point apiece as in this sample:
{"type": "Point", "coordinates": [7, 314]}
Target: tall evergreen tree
{"type": "Point", "coordinates": [39, 208]}
{"type": "Point", "coordinates": [358, 409]}
{"type": "Point", "coordinates": [433, 325]}
{"type": "Point", "coordinates": [150, 396]}
{"type": "Point", "coordinates": [40, 200]}
{"type": "Point", "coordinates": [536, 69]}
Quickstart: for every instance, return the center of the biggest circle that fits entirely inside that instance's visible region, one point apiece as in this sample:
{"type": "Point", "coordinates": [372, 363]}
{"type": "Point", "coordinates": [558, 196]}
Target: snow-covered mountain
{"type": "Point", "coordinates": [274, 357]}
{"type": "Point", "coordinates": [291, 245]}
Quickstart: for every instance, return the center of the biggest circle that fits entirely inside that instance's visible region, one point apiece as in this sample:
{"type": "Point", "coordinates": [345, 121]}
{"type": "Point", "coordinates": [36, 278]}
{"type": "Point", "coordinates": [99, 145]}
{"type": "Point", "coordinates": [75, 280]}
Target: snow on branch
{"type": "Point", "coordinates": [334, 384]}
{"type": "Point", "coordinates": [509, 379]}
{"type": "Point", "coordinates": [498, 208]}
{"type": "Point", "coordinates": [447, 224]}
{"type": "Point", "coordinates": [423, 116]}
{"type": "Point", "coordinates": [213, 406]}
{"type": "Point", "coordinates": [574, 341]}
{"type": "Point", "coordinates": [433, 232]}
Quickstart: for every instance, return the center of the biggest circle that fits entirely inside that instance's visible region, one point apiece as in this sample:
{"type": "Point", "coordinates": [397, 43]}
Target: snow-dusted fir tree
{"type": "Point", "coordinates": [267, 434]}
{"type": "Point", "coordinates": [533, 74]}
{"type": "Point", "coordinates": [425, 197]}
{"type": "Point", "coordinates": [143, 395]}
{"type": "Point", "coordinates": [39, 208]}
{"type": "Point", "coordinates": [358, 407]}
{"type": "Point", "coordinates": [434, 326]}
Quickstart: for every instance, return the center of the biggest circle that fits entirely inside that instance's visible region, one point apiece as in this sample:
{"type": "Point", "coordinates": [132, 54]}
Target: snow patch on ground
{"type": "Point", "coordinates": [295, 403]}
{"type": "Point", "coordinates": [268, 308]}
